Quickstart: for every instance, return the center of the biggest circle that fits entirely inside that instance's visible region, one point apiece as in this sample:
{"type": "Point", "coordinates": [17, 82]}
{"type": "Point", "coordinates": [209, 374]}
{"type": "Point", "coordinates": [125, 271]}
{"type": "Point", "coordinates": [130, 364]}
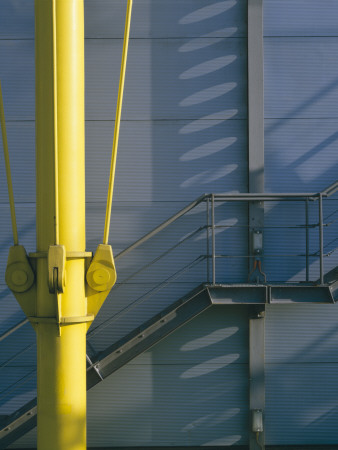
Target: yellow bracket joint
{"type": "Point", "coordinates": [19, 274]}
{"type": "Point", "coordinates": [20, 279]}
{"type": "Point", "coordinates": [56, 268]}
{"type": "Point", "coordinates": [101, 274]}
{"type": "Point", "coordinates": [101, 277]}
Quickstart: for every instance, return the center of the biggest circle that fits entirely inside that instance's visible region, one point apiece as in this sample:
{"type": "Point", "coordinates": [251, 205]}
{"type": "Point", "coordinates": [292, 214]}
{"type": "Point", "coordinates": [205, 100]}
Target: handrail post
{"type": "Point", "coordinates": [321, 240]}
{"type": "Point", "coordinates": [213, 239]}
{"type": "Point", "coordinates": [307, 238]}
{"type": "Point", "coordinates": [208, 243]}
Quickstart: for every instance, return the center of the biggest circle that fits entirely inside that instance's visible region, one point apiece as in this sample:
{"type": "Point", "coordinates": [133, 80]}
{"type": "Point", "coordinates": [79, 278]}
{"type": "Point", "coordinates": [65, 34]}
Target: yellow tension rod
{"type": "Point", "coordinates": [56, 145]}
{"type": "Point", "coordinates": [8, 169]}
{"type": "Point", "coordinates": [117, 122]}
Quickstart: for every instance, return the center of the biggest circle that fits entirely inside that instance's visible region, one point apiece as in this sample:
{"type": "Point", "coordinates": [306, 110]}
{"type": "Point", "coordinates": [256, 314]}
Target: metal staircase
{"type": "Point", "coordinates": [304, 236]}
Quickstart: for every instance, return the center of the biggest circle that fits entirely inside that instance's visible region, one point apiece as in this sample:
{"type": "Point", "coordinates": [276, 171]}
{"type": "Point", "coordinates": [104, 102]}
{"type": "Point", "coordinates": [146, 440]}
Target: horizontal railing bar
{"type": "Point", "coordinates": [277, 255]}
{"type": "Point", "coordinates": [255, 195]}
{"type": "Point", "coordinates": [226, 197]}
{"type": "Point", "coordinates": [221, 198]}
{"type": "Point", "coordinates": [314, 225]}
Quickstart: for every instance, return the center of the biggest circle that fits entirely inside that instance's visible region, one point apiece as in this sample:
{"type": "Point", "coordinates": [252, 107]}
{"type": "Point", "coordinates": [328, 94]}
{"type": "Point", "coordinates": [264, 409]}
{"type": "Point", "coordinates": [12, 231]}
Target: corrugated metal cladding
{"type": "Point", "coordinates": [301, 374]}
{"type": "Point", "coordinates": [183, 133]}
{"type": "Point", "coordinates": [191, 389]}
{"type": "Point", "coordinates": [301, 126]}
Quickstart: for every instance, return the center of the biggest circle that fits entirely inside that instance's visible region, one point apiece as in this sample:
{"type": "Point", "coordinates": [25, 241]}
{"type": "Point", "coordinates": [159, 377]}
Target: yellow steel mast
{"type": "Point", "coordinates": [59, 287]}
{"type": "Point", "coordinates": [61, 308]}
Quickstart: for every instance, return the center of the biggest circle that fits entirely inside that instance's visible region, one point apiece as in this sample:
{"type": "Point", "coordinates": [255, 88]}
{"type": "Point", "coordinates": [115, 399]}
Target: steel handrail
{"type": "Point", "coordinates": [327, 192]}
{"type": "Point", "coordinates": [162, 226]}
{"type": "Point", "coordinates": [233, 197]}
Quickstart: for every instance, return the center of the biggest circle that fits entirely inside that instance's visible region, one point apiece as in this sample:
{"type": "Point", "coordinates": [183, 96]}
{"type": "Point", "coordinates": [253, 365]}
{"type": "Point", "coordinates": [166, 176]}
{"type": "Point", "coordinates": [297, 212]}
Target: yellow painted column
{"type": "Point", "coordinates": [60, 175]}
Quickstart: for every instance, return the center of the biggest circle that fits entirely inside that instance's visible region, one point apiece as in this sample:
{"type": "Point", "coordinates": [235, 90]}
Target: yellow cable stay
{"type": "Point", "coordinates": [117, 122]}
{"type": "Point", "coordinates": [56, 145]}
{"type": "Point", "coordinates": [114, 148]}
{"type": "Point", "coordinates": [8, 169]}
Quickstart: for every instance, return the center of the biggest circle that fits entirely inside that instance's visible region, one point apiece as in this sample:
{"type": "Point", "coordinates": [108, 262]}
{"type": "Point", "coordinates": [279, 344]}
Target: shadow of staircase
{"type": "Point", "coordinates": [102, 364]}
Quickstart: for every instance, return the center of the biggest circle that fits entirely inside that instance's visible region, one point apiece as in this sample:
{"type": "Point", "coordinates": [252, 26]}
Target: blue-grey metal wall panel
{"type": "Point", "coordinates": [128, 307]}
{"type": "Point", "coordinates": [183, 133]}
{"type": "Point", "coordinates": [190, 389]}
{"type": "Point", "coordinates": [131, 220]}
{"type": "Point", "coordinates": [18, 387]}
{"type": "Point", "coordinates": [155, 405]}
{"type": "Point", "coordinates": [11, 312]}
{"type": "Point", "coordinates": [17, 369]}
{"type": "Point", "coordinates": [27, 441]}
{"type": "Point", "coordinates": [17, 78]}
{"type": "Point", "coordinates": [184, 265]}
{"type": "Point", "coordinates": [163, 82]}
{"type": "Point", "coordinates": [300, 18]}
{"type": "Point", "coordinates": [166, 161]}
{"type": "Point", "coordinates": [301, 373]}
{"type": "Point", "coordinates": [160, 18]}
{"type": "Point", "coordinates": [285, 239]}
{"type": "Point", "coordinates": [17, 348]}
{"type": "Point", "coordinates": [25, 216]}
{"type": "Point", "coordinates": [300, 144]}
{"type": "Point", "coordinates": [301, 77]}
{"type": "Point", "coordinates": [300, 155]}
{"type": "Point", "coordinates": [301, 404]}
{"type": "Point", "coordinates": [217, 330]}
{"type": "Point", "coordinates": [285, 242]}
{"type": "Point", "coordinates": [301, 334]}
{"type": "Point", "coordinates": [17, 19]}
{"type": "Point", "coordinates": [105, 19]}
{"type": "Point", "coordinates": [21, 143]}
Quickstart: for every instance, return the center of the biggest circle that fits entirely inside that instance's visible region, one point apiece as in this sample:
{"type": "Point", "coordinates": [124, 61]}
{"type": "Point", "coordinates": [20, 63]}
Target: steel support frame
{"type": "Point", "coordinates": [256, 374]}
{"type": "Point", "coordinates": [256, 209]}
{"type": "Point", "coordinates": [141, 339]}
{"type": "Point", "coordinates": [255, 96]}
{"type": "Point", "coordinates": [255, 114]}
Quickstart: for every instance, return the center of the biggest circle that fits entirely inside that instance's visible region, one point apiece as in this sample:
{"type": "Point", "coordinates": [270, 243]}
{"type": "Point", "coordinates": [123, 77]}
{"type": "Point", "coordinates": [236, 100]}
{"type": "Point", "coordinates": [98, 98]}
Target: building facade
{"type": "Point", "coordinates": [185, 132]}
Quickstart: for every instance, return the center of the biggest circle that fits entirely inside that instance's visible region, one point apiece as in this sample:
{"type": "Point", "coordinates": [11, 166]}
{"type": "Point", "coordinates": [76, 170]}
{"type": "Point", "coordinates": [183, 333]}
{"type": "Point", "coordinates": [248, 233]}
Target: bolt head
{"type": "Point", "coordinates": [19, 277]}
{"type": "Point", "coordinates": [101, 276]}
